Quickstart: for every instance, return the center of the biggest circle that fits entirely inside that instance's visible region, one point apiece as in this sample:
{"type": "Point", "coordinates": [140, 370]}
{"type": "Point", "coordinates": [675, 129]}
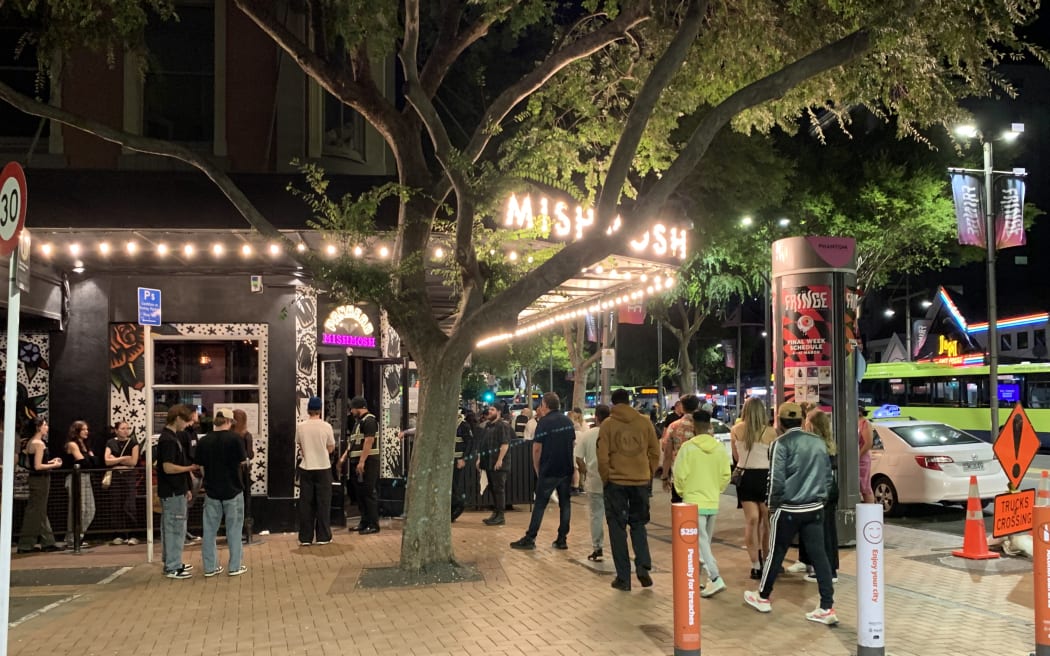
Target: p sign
{"type": "Point", "coordinates": [12, 206]}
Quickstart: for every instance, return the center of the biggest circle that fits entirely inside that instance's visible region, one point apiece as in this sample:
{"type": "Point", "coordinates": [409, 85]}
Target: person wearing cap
{"type": "Point", "coordinates": [364, 465]}
{"type": "Point", "coordinates": [173, 488]}
{"type": "Point", "coordinates": [316, 441]}
{"type": "Point", "coordinates": [800, 480]}
{"type": "Point", "coordinates": [220, 455]}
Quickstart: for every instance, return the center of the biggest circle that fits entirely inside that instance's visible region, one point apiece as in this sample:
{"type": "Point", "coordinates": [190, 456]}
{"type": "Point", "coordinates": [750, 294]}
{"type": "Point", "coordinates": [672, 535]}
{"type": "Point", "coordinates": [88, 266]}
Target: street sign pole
{"type": "Point", "coordinates": [149, 302]}
{"type": "Point", "coordinates": [10, 396]}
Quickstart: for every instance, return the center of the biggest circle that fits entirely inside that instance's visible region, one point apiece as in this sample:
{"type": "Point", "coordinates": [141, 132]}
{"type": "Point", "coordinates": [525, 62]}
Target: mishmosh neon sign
{"type": "Point", "coordinates": [567, 222]}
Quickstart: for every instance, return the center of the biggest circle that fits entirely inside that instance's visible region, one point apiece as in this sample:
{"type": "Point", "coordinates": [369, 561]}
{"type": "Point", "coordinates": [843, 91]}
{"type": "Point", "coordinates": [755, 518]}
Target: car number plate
{"type": "Point", "coordinates": [973, 466]}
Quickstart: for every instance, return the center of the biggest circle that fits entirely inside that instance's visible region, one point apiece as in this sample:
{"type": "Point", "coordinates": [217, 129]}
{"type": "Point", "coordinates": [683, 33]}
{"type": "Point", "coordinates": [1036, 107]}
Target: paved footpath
{"type": "Point", "coordinates": [297, 600]}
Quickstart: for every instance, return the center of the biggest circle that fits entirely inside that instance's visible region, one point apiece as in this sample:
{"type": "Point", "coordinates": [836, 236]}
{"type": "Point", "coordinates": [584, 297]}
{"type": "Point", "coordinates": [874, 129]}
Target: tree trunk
{"type": "Point", "coordinates": [426, 544]}
{"type": "Point", "coordinates": [687, 381]}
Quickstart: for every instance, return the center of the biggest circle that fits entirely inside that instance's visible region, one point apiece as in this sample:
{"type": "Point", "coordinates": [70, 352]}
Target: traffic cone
{"type": "Point", "coordinates": [975, 542]}
{"type": "Point", "coordinates": [1042, 493]}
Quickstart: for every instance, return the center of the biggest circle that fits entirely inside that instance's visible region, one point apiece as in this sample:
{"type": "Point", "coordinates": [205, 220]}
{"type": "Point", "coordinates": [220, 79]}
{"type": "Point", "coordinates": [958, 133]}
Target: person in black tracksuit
{"type": "Point", "coordinates": [800, 480]}
{"type": "Point", "coordinates": [364, 465]}
{"type": "Point", "coordinates": [464, 457]}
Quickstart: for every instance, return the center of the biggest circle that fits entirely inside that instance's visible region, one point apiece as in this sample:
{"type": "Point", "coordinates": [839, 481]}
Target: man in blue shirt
{"type": "Point", "coordinates": [552, 458]}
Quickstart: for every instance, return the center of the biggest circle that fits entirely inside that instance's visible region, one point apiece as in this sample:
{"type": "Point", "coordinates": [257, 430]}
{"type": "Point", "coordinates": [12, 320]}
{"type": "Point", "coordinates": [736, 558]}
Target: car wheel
{"type": "Point", "coordinates": [886, 495]}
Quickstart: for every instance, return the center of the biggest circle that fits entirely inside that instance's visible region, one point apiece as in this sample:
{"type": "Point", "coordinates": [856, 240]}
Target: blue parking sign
{"type": "Point", "coordinates": [149, 306]}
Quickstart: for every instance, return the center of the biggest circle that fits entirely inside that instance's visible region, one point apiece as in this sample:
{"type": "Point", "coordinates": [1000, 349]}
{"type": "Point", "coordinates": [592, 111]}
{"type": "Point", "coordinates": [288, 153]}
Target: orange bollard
{"type": "Point", "coordinates": [975, 542]}
{"type": "Point", "coordinates": [685, 563]}
{"type": "Point", "coordinates": [1040, 562]}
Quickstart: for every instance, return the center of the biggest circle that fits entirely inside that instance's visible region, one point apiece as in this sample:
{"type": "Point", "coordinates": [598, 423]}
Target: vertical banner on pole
{"type": "Point", "coordinates": [871, 559]}
{"type": "Point", "coordinates": [1041, 578]}
{"type": "Point", "coordinates": [685, 563]}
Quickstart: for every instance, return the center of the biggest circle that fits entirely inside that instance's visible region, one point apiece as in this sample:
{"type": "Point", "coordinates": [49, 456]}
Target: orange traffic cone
{"type": "Point", "coordinates": [975, 542]}
{"type": "Point", "coordinates": [1042, 494]}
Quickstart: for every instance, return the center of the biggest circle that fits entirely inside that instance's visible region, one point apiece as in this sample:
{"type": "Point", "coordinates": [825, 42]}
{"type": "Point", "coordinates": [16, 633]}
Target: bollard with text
{"type": "Point", "coordinates": [1041, 566]}
{"type": "Point", "coordinates": [685, 561]}
{"type": "Point", "coordinates": [871, 558]}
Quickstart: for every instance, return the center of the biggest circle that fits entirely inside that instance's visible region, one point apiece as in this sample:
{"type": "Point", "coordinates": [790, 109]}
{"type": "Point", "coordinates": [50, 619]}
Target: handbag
{"type": "Point", "coordinates": [107, 478]}
{"type": "Point", "coordinates": [737, 476]}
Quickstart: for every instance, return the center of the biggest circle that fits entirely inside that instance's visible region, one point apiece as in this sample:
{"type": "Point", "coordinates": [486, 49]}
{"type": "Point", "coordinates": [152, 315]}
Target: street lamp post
{"type": "Point", "coordinates": [908, 295]}
{"type": "Point", "coordinates": [989, 242]}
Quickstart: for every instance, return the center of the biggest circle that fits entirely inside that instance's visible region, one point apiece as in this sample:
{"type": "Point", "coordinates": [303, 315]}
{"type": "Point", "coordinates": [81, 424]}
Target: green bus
{"type": "Point", "coordinates": [958, 395]}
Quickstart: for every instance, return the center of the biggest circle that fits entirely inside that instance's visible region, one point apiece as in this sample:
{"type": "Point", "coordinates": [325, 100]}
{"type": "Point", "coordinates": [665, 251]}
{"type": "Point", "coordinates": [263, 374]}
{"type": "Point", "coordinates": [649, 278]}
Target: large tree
{"type": "Point", "coordinates": [593, 105]}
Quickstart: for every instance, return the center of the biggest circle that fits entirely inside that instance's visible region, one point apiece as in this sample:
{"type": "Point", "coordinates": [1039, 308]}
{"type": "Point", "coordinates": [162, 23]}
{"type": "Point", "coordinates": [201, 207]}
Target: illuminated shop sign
{"type": "Point", "coordinates": [349, 325]}
{"type": "Point", "coordinates": [569, 223]}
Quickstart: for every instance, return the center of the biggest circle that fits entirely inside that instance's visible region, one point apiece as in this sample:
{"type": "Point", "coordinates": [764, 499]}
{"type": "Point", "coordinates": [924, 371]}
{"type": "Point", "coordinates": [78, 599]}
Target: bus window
{"type": "Point", "coordinates": [919, 393]}
{"type": "Point", "coordinates": [1039, 395]}
{"type": "Point", "coordinates": [945, 392]}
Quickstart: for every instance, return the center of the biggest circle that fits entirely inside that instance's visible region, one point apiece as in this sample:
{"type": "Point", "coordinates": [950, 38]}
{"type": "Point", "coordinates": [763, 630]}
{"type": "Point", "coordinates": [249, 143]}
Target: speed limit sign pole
{"type": "Point", "coordinates": [685, 563]}
{"type": "Point", "coordinates": [12, 220]}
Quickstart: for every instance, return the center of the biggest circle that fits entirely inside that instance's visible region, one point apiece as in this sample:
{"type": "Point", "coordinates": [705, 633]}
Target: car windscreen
{"type": "Point", "coordinates": [920, 435]}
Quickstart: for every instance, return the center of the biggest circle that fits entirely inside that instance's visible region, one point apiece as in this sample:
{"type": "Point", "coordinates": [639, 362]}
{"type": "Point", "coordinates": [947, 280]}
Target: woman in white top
{"type": "Point", "coordinates": [752, 436]}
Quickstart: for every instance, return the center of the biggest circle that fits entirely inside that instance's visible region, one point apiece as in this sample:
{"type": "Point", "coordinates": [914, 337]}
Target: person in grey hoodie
{"type": "Point", "coordinates": [628, 453]}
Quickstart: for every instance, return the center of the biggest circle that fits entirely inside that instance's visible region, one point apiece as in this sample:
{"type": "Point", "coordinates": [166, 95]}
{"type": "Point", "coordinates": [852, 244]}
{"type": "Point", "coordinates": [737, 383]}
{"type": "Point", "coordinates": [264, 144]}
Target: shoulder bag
{"type": "Point", "coordinates": [738, 472]}
{"type": "Point", "coordinates": [107, 478]}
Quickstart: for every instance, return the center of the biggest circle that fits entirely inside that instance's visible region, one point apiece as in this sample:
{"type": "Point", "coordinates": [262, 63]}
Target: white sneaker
{"type": "Point", "coordinates": [823, 616]}
{"type": "Point", "coordinates": [757, 602]}
{"type": "Point", "coordinates": [713, 587]}
{"type": "Point", "coordinates": [132, 541]}
{"type": "Point", "coordinates": [812, 578]}
{"type": "Point", "coordinates": [797, 568]}
{"type": "Point", "coordinates": [240, 570]}
{"type": "Point", "coordinates": [117, 542]}
{"type": "Point", "coordinates": [217, 570]}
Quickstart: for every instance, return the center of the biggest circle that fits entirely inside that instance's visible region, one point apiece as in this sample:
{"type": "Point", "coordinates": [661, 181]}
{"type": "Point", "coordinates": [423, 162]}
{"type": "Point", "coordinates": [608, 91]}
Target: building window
{"type": "Point", "coordinates": [344, 130]}
{"type": "Point", "coordinates": [1039, 343]}
{"type": "Point", "coordinates": [1022, 341]}
{"type": "Point", "coordinates": [19, 70]}
{"type": "Point", "coordinates": [179, 90]}
{"type": "Point", "coordinates": [1006, 342]}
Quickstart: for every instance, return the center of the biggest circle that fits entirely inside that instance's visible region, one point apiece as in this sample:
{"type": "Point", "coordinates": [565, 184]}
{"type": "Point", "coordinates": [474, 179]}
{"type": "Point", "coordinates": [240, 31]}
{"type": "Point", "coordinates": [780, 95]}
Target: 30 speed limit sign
{"type": "Point", "coordinates": [12, 206]}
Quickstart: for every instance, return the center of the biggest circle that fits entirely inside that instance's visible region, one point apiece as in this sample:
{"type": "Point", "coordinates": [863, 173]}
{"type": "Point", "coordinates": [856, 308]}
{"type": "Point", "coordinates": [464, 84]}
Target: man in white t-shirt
{"type": "Point", "coordinates": [316, 441]}
{"type": "Point", "coordinates": [586, 454]}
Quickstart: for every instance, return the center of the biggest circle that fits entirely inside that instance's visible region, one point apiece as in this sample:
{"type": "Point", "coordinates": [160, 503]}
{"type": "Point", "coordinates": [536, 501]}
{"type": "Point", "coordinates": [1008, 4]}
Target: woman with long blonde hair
{"type": "Point", "coordinates": [751, 437]}
{"type": "Point", "coordinates": [818, 422]}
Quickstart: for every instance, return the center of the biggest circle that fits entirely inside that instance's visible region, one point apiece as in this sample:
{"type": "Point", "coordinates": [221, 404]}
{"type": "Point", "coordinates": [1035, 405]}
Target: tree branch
{"type": "Point", "coordinates": [641, 111]}
{"type": "Point", "coordinates": [585, 46]}
{"type": "Point", "coordinates": [768, 88]}
{"type": "Point", "coordinates": [151, 146]}
{"type": "Point", "coordinates": [451, 43]}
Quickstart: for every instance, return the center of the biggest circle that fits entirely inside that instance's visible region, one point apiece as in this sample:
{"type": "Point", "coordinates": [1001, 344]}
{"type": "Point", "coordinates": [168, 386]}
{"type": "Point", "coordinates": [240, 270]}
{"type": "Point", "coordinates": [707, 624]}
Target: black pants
{"type": "Point", "coordinates": [831, 541]}
{"type": "Point", "coordinates": [366, 489]}
{"type": "Point", "coordinates": [545, 487]}
{"type": "Point", "coordinates": [498, 486]}
{"type": "Point", "coordinates": [809, 526]}
{"type": "Point", "coordinates": [459, 494]}
{"type": "Point", "coordinates": [122, 487]}
{"type": "Point", "coordinates": [628, 505]}
{"type": "Point", "coordinates": [315, 505]}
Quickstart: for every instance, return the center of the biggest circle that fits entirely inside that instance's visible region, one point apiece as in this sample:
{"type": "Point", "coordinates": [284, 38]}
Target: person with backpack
{"type": "Point", "coordinates": [37, 459]}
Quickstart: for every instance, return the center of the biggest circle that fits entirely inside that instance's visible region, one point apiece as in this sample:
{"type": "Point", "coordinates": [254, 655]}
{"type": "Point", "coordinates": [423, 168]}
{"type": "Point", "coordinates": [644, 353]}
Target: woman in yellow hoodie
{"type": "Point", "coordinates": [701, 474]}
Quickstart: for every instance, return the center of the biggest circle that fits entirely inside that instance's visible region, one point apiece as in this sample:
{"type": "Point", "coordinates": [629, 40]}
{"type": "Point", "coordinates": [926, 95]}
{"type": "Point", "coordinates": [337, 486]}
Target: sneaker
{"type": "Point", "coordinates": [756, 574]}
{"type": "Point", "coordinates": [495, 520]}
{"type": "Point", "coordinates": [714, 587]}
{"type": "Point", "coordinates": [188, 567]}
{"type": "Point", "coordinates": [797, 568]}
{"type": "Point", "coordinates": [324, 542]}
{"type": "Point", "coordinates": [596, 556]}
{"type": "Point", "coordinates": [644, 578]}
{"type": "Point", "coordinates": [812, 578]}
{"type": "Point", "coordinates": [620, 584]}
{"type": "Point", "coordinates": [560, 544]}
{"type": "Point", "coordinates": [524, 543]}
{"type": "Point", "coordinates": [305, 544]}
{"type": "Point", "coordinates": [178, 574]}
{"type": "Point", "coordinates": [823, 616]}
{"type": "Point", "coordinates": [240, 570]}
{"type": "Point", "coordinates": [368, 530]}
{"type": "Point", "coordinates": [756, 601]}
{"type": "Point", "coordinates": [132, 541]}
{"type": "Point", "coordinates": [193, 539]}
{"type": "Point", "coordinates": [116, 542]}
{"type": "Point", "coordinates": [217, 570]}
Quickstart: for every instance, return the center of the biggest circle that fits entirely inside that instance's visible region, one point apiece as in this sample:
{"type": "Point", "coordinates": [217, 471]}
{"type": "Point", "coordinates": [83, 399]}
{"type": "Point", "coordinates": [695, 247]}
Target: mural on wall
{"type": "Point", "coordinates": [33, 385]}
{"type": "Point", "coordinates": [127, 399]}
{"type": "Point", "coordinates": [390, 456]}
{"type": "Point", "coordinates": [305, 314]}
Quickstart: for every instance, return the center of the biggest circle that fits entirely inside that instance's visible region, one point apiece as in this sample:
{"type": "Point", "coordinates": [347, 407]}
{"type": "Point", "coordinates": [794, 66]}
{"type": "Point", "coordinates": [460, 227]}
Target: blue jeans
{"type": "Point", "coordinates": [597, 519]}
{"type": "Point", "coordinates": [173, 523]}
{"type": "Point", "coordinates": [214, 510]}
{"type": "Point", "coordinates": [545, 487]}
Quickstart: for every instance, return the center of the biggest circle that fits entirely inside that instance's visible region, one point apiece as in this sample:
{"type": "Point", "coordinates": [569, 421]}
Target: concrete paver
{"type": "Point", "coordinates": [296, 600]}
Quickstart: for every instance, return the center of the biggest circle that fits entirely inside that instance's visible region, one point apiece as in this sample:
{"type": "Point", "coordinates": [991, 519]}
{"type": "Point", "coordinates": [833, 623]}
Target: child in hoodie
{"type": "Point", "coordinates": [701, 474]}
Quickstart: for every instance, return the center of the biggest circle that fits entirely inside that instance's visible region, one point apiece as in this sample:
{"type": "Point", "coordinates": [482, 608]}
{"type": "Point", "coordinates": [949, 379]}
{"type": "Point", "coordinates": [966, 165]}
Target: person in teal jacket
{"type": "Point", "coordinates": [701, 474]}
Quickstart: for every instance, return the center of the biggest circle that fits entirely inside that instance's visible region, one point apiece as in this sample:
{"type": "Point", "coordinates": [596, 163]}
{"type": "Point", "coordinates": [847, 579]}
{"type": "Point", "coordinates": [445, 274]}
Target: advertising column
{"type": "Point", "coordinates": [815, 345]}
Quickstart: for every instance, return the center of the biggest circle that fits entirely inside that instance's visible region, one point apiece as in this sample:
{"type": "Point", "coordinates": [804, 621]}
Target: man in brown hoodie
{"type": "Point", "coordinates": [628, 453]}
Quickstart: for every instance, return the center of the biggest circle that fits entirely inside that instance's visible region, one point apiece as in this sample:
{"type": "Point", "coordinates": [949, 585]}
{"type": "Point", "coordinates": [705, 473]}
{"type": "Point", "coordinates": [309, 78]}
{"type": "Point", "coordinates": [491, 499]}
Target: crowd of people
{"type": "Point", "coordinates": [115, 474]}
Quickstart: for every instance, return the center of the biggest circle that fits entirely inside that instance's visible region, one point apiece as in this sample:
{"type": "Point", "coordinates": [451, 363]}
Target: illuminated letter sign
{"type": "Point", "coordinates": [348, 325]}
{"type": "Point", "coordinates": [567, 222]}
{"type": "Point", "coordinates": [947, 347]}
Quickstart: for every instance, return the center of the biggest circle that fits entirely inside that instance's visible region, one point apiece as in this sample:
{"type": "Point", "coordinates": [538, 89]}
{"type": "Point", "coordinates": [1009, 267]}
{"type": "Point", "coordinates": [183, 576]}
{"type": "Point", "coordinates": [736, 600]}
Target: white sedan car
{"type": "Point", "coordinates": [928, 462]}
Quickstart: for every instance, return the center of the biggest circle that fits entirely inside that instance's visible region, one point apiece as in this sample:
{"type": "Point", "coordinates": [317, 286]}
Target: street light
{"type": "Point", "coordinates": [907, 297]}
{"type": "Point", "coordinates": [970, 132]}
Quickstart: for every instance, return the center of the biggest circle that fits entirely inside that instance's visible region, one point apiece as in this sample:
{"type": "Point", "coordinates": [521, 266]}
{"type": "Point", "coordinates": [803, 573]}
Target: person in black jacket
{"type": "Point", "coordinates": [494, 460]}
{"type": "Point", "coordinates": [464, 456]}
{"type": "Point", "coordinates": [800, 480]}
